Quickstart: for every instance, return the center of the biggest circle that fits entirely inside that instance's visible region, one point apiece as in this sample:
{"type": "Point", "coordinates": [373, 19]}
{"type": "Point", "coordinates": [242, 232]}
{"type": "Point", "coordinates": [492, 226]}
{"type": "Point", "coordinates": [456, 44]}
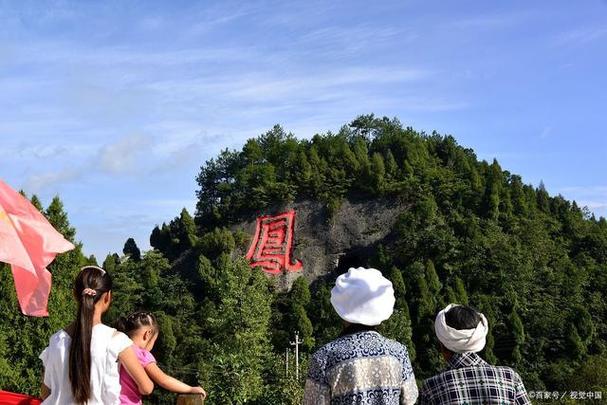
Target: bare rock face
{"type": "Point", "coordinates": [329, 245]}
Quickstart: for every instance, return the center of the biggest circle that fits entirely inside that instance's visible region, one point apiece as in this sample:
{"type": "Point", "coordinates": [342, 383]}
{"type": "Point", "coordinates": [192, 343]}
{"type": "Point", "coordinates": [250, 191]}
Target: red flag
{"type": "Point", "coordinates": [29, 243]}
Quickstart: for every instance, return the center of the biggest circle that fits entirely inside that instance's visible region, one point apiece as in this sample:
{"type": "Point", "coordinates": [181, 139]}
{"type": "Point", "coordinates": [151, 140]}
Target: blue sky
{"type": "Point", "coordinates": [115, 105]}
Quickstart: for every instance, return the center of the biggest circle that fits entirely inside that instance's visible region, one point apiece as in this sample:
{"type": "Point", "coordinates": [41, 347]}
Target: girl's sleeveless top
{"type": "Point", "coordinates": [106, 344]}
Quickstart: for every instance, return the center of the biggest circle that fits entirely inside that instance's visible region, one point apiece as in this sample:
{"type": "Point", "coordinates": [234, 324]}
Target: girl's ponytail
{"type": "Point", "coordinates": [90, 285]}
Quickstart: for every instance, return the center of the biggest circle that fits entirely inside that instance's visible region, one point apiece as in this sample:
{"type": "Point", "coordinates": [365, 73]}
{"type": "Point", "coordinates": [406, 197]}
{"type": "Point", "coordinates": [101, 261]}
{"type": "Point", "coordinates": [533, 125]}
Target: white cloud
{"type": "Point", "coordinates": [491, 21]}
{"type": "Point", "coordinates": [295, 89]}
{"type": "Point", "coordinates": [581, 36]}
{"type": "Point", "coordinates": [585, 190]}
{"type": "Point", "coordinates": [121, 157]}
{"type": "Point", "coordinates": [593, 205]}
{"type": "Point", "coordinates": [41, 182]}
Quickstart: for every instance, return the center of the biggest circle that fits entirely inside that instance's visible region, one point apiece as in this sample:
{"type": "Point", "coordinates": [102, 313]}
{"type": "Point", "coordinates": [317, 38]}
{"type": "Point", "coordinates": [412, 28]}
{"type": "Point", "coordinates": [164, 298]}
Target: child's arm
{"type": "Point", "coordinates": [170, 383]}
{"type": "Point", "coordinates": [129, 360]}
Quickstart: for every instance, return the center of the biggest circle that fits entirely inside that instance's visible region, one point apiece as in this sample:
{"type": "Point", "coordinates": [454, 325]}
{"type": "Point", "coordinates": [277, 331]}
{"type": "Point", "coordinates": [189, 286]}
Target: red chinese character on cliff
{"type": "Point", "coordinates": [272, 244]}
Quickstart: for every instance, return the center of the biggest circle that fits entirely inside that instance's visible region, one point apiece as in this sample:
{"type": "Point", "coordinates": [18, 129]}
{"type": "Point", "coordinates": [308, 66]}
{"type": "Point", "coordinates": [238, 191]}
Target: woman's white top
{"type": "Point", "coordinates": [106, 344]}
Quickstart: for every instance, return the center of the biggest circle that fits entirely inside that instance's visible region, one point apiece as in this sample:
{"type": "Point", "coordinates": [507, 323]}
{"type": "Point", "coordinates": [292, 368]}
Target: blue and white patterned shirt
{"type": "Point", "coordinates": [470, 380]}
{"type": "Point", "coordinates": [362, 368]}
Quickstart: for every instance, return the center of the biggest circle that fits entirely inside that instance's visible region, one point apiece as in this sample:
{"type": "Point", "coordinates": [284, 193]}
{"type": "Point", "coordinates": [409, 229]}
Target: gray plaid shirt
{"type": "Point", "coordinates": [470, 380]}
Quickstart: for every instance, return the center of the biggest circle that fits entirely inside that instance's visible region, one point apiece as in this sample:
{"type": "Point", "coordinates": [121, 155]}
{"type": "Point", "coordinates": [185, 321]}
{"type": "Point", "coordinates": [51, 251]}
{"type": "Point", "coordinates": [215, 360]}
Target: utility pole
{"type": "Point", "coordinates": [296, 344]}
{"type": "Point", "coordinates": [287, 361]}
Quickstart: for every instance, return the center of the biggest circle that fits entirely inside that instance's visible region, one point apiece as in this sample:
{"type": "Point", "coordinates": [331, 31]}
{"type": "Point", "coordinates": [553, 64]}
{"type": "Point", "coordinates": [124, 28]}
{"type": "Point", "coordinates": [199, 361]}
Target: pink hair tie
{"type": "Point", "coordinates": [89, 291]}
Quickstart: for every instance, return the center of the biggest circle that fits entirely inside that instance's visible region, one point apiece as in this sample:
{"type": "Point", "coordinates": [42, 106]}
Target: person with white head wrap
{"type": "Point", "coordinates": [461, 340]}
{"type": "Point", "coordinates": [462, 332]}
{"type": "Point", "coordinates": [361, 366]}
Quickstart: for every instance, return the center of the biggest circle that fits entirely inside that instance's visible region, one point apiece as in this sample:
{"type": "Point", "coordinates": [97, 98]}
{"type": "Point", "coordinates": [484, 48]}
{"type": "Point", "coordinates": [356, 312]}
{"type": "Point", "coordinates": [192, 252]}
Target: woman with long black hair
{"type": "Point", "coordinates": [81, 361]}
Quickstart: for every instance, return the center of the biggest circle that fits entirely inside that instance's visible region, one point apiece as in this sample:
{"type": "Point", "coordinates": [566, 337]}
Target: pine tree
{"type": "Point", "coordinates": [485, 305]}
{"type": "Point", "coordinates": [57, 216]}
{"type": "Point", "coordinates": [37, 203]}
{"type": "Point", "coordinates": [543, 199]}
{"type": "Point", "coordinates": [517, 194]}
{"type": "Point", "coordinates": [434, 284]}
{"type": "Point", "coordinates": [327, 324]}
{"type": "Point", "coordinates": [492, 191]}
{"type": "Point", "coordinates": [574, 343]}
{"type": "Point", "coordinates": [398, 326]}
{"type": "Point", "coordinates": [450, 296]}
{"type": "Point", "coordinates": [518, 333]}
{"type": "Point", "coordinates": [317, 178]}
{"type": "Point", "coordinates": [400, 290]}
{"type": "Point", "coordinates": [160, 239]}
{"type": "Point", "coordinates": [187, 235]}
{"type": "Point", "coordinates": [391, 166]}
{"type": "Point", "coordinates": [424, 300]}
{"type": "Point", "coordinates": [131, 250]}
{"type": "Point", "coordinates": [238, 333]}
{"type": "Point", "coordinates": [350, 162]}
{"type": "Point", "coordinates": [300, 299]}
{"type": "Point", "coordinates": [377, 173]}
{"type": "Point", "coordinates": [303, 172]}
{"type": "Point", "coordinates": [111, 262]}
{"type": "Point", "coordinates": [460, 291]}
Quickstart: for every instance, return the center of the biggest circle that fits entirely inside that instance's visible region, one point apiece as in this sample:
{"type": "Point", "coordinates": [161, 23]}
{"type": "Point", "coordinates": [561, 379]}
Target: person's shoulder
{"type": "Point", "coordinates": [145, 357]}
{"type": "Point", "coordinates": [347, 342]}
{"type": "Point", "coordinates": [392, 343]}
{"type": "Point", "coordinates": [508, 372]}
{"type": "Point", "coordinates": [58, 344]}
{"type": "Point", "coordinates": [59, 337]}
{"type": "Point", "coordinates": [110, 338]}
{"type": "Point", "coordinates": [432, 381]}
{"type": "Point", "coordinates": [103, 328]}
{"type": "Point", "coordinates": [335, 350]}
{"type": "Point", "coordinates": [430, 386]}
{"type": "Point", "coordinates": [120, 338]}
{"type": "Point", "coordinates": [323, 350]}
{"type": "Point", "coordinates": [395, 348]}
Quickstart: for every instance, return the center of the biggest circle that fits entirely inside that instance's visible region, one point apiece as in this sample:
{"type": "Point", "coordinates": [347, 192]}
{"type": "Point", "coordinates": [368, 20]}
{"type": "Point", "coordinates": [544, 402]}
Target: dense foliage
{"type": "Point", "coordinates": [472, 232]}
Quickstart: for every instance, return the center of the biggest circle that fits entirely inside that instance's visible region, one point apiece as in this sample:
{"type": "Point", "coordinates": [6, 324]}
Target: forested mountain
{"type": "Point", "coordinates": [465, 231]}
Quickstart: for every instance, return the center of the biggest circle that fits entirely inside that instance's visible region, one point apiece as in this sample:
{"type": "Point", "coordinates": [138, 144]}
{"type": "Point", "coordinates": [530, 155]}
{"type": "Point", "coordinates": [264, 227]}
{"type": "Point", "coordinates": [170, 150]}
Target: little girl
{"type": "Point", "coordinates": [143, 330]}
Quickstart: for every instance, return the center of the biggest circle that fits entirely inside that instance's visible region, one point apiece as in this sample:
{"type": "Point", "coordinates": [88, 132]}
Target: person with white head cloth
{"type": "Point", "coordinates": [468, 379]}
{"type": "Point", "coordinates": [361, 366]}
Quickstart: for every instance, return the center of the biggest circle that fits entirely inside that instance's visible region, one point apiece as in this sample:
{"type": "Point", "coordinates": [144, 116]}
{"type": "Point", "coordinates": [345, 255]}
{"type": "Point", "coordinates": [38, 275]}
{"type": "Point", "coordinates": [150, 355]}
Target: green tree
{"type": "Point", "coordinates": [131, 250]}
{"type": "Point", "coordinates": [492, 191]}
{"type": "Point", "coordinates": [300, 299]}
{"type": "Point", "coordinates": [518, 333]}
{"type": "Point", "coordinates": [237, 325]}
{"type": "Point", "coordinates": [398, 326]}
{"type": "Point", "coordinates": [460, 291]}
{"type": "Point", "coordinates": [327, 324]}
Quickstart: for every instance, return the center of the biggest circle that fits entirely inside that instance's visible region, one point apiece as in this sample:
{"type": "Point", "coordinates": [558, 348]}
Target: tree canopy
{"type": "Point", "coordinates": [471, 232]}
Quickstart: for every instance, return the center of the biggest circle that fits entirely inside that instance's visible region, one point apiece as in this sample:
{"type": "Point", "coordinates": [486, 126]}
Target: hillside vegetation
{"type": "Point", "coordinates": [471, 232]}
